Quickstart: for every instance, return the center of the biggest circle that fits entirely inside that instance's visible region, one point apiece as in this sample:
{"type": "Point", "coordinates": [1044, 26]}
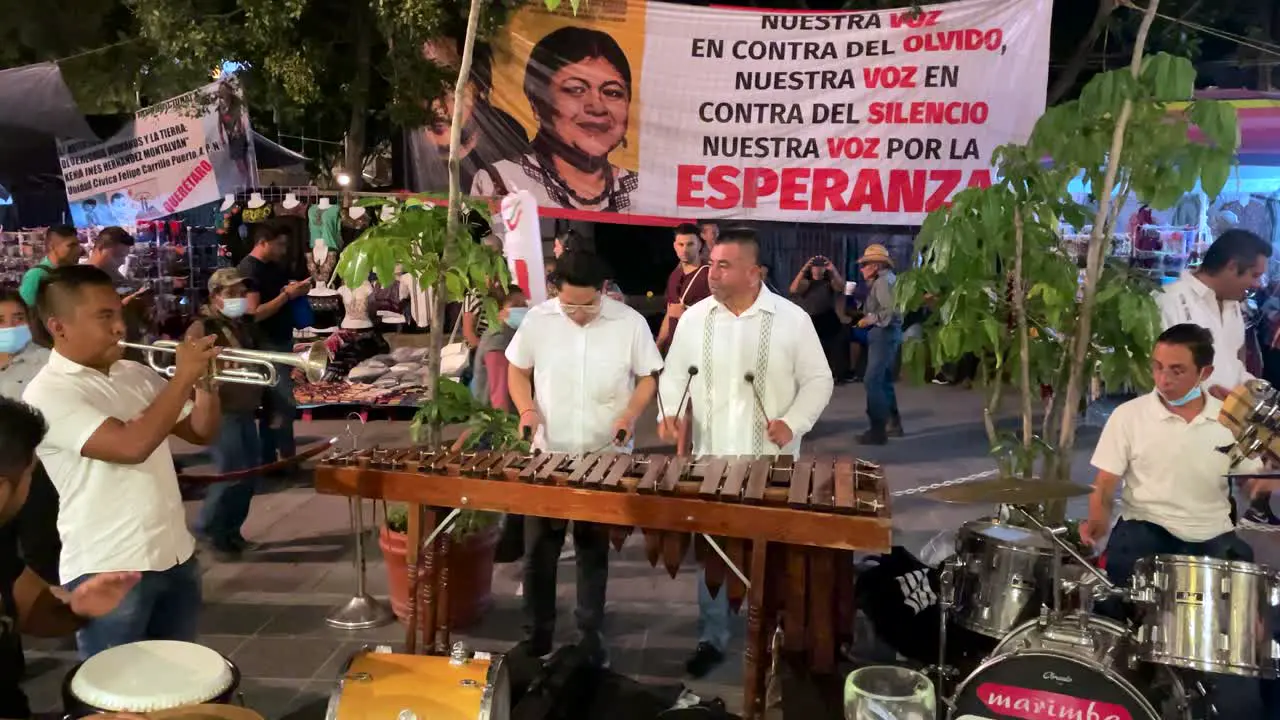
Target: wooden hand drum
{"type": "Point", "coordinates": [382, 685]}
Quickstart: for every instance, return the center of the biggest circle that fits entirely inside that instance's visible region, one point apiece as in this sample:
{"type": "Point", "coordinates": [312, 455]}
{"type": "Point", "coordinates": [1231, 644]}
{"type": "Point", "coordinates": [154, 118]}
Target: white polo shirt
{"type": "Point", "coordinates": [1172, 471]}
{"type": "Point", "coordinates": [1187, 300]}
{"type": "Point", "coordinates": [583, 376]}
{"type": "Point", "coordinates": [111, 517]}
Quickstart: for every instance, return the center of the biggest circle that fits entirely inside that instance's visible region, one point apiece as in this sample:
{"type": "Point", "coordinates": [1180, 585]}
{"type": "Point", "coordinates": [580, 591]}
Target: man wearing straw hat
{"type": "Point", "coordinates": [884, 338]}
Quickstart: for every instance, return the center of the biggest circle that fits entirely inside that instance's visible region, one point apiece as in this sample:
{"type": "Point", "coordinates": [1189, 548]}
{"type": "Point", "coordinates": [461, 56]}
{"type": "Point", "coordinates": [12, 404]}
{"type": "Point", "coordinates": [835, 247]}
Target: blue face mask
{"type": "Point", "coordinates": [515, 316]}
{"type": "Point", "coordinates": [1192, 395]}
{"type": "Point", "coordinates": [14, 339]}
{"type": "Point", "coordinates": [235, 307]}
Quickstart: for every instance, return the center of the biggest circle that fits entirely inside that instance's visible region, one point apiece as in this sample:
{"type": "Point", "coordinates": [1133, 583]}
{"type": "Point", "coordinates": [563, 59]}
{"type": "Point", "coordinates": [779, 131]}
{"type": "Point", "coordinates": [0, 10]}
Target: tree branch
{"type": "Point", "coordinates": [1024, 341]}
{"type": "Point", "coordinates": [1093, 269]}
{"type": "Point", "coordinates": [1080, 56]}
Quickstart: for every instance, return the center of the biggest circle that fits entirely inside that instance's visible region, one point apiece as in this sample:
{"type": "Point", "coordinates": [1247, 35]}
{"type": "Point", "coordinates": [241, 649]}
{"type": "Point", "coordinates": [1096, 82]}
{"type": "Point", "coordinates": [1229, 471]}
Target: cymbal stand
{"type": "Point", "coordinates": [362, 611]}
{"type": "Point", "coordinates": [946, 598]}
{"type": "Point", "coordinates": [1054, 536]}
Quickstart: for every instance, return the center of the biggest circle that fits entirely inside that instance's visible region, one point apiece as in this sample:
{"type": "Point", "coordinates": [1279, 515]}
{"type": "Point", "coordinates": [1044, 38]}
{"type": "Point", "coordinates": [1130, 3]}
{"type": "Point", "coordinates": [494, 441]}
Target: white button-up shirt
{"type": "Point", "coordinates": [111, 517]}
{"type": "Point", "coordinates": [775, 341]}
{"type": "Point", "coordinates": [583, 375]}
{"type": "Point", "coordinates": [1187, 300]}
{"type": "Point", "coordinates": [1172, 471]}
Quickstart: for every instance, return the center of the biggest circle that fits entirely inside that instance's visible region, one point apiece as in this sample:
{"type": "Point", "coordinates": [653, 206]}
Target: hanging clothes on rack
{"type": "Point", "coordinates": [326, 224]}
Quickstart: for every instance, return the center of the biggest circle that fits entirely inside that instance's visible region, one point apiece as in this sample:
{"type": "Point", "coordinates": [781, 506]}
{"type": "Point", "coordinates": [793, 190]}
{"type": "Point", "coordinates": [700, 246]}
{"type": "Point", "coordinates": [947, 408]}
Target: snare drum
{"type": "Point", "coordinates": [380, 685]}
{"type": "Point", "coordinates": [1210, 615]}
{"type": "Point", "coordinates": [1004, 576]}
{"type": "Point", "coordinates": [1074, 666]}
{"type": "Point", "coordinates": [148, 676]}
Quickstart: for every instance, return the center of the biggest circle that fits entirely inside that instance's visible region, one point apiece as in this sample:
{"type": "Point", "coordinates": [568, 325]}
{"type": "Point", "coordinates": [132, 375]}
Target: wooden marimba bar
{"type": "Point", "coordinates": [789, 525]}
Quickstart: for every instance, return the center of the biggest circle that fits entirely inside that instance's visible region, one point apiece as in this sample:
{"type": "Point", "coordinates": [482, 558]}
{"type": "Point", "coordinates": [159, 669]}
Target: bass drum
{"type": "Point", "coordinates": [1071, 667]}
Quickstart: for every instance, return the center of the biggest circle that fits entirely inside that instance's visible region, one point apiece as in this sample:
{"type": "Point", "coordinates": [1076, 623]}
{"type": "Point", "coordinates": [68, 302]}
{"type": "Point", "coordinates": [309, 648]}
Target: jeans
{"type": "Point", "coordinates": [227, 503]}
{"type": "Point", "coordinates": [543, 539]}
{"type": "Point", "coordinates": [882, 401]}
{"type": "Point", "coordinates": [164, 605]}
{"type": "Point", "coordinates": [713, 614]}
{"type": "Point", "coordinates": [275, 429]}
{"type": "Point", "coordinates": [36, 527]}
{"type": "Point", "coordinates": [1132, 540]}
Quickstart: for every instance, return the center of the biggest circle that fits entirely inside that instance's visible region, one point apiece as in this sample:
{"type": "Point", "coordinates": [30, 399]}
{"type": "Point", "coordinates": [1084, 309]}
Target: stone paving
{"type": "Point", "coordinates": [267, 612]}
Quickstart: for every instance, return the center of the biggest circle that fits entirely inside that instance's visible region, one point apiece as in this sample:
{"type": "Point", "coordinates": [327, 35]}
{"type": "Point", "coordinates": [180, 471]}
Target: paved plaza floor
{"type": "Point", "coordinates": [267, 612]}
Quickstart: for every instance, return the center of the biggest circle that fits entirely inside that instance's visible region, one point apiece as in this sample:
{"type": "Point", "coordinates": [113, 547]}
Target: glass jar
{"type": "Point", "coordinates": [884, 692]}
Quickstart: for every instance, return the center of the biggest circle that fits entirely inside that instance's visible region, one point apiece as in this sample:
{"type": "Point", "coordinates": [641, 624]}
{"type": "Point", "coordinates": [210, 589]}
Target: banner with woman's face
{"type": "Point", "coordinates": [638, 111]}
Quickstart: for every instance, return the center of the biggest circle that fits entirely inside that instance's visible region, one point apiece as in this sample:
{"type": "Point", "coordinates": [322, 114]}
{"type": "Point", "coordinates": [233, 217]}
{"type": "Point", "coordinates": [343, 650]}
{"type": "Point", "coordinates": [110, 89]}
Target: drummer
{"type": "Point", "coordinates": [28, 605]}
{"type": "Point", "coordinates": [1175, 497]}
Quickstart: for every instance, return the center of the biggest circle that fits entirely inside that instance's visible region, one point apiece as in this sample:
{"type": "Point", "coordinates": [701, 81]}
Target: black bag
{"type": "Point", "coordinates": [899, 595]}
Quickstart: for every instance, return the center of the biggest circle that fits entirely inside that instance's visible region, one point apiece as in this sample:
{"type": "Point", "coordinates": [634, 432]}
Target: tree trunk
{"type": "Point", "coordinates": [1024, 341]}
{"type": "Point", "coordinates": [1075, 65]}
{"type": "Point", "coordinates": [1083, 336]}
{"type": "Point", "coordinates": [357, 130]}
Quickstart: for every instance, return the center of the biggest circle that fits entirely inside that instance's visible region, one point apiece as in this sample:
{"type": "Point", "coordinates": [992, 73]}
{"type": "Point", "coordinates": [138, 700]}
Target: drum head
{"type": "Point", "coordinates": [1047, 684]}
{"type": "Point", "coordinates": [151, 675]}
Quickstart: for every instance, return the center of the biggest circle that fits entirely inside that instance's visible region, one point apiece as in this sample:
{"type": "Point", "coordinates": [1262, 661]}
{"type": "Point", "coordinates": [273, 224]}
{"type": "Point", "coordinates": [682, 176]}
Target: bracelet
{"type": "Point", "coordinates": [530, 410]}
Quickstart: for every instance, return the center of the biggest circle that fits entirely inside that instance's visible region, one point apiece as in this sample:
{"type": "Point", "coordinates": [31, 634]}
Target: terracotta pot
{"type": "Point", "coordinates": [470, 575]}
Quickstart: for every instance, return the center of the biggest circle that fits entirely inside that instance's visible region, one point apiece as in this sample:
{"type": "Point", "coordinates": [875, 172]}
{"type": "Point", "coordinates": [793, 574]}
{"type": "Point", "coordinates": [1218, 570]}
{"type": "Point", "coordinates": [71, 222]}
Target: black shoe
{"type": "Point", "coordinates": [593, 647]}
{"type": "Point", "coordinates": [894, 428]}
{"type": "Point", "coordinates": [532, 649]}
{"type": "Point", "coordinates": [223, 552]}
{"type": "Point", "coordinates": [871, 437]}
{"type": "Point", "coordinates": [705, 659]}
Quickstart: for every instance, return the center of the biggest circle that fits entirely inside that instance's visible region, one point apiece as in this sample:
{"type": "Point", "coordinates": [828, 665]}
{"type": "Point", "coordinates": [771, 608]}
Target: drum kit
{"type": "Point", "coordinates": [1019, 582]}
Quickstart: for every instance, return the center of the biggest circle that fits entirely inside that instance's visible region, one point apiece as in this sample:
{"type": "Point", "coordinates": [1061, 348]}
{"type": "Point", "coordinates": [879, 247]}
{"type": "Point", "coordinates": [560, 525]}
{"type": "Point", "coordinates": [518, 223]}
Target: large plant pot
{"type": "Point", "coordinates": [470, 575]}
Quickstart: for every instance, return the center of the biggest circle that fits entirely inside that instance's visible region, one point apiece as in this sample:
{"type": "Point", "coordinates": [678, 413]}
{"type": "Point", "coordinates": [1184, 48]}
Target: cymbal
{"type": "Point", "coordinates": [1007, 491]}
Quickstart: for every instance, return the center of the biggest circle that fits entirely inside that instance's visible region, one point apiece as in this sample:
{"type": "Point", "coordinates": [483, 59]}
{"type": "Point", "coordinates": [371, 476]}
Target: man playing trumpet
{"type": "Point", "coordinates": [108, 456]}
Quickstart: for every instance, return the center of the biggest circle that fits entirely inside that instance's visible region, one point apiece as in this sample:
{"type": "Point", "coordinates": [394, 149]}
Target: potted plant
{"type": "Point", "coordinates": [1007, 291]}
{"type": "Point", "coordinates": [475, 533]}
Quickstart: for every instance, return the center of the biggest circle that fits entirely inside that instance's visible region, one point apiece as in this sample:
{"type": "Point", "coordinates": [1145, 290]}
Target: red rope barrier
{"type": "Point", "coordinates": [269, 467]}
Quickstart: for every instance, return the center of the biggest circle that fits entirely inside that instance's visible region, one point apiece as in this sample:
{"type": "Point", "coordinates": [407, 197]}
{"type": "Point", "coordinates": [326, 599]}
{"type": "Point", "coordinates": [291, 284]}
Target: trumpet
{"type": "Point", "coordinates": [243, 367]}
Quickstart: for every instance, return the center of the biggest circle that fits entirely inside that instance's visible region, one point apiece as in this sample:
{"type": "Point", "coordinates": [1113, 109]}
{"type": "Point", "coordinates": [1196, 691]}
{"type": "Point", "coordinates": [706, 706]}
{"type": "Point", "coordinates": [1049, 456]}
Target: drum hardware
{"type": "Point", "coordinates": [362, 611]}
{"type": "Point", "coordinates": [248, 367]}
{"type": "Point", "coordinates": [1054, 536]}
{"type": "Point", "coordinates": [946, 593]}
{"type": "Point", "coordinates": [1252, 413]}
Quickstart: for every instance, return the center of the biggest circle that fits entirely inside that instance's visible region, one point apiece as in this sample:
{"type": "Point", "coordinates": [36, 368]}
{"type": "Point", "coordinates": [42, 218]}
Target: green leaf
{"type": "Point", "coordinates": [992, 328]}
{"type": "Point", "coordinates": [456, 286]}
{"type": "Point", "coordinates": [1214, 173]}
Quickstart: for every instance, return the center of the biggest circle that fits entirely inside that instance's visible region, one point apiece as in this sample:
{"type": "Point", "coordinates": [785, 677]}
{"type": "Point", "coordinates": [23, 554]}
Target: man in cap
{"type": "Point", "coordinates": [884, 338]}
{"type": "Point", "coordinates": [238, 447]}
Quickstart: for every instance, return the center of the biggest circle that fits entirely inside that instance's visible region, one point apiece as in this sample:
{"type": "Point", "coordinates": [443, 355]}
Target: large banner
{"type": "Point", "coordinates": [182, 153]}
{"type": "Point", "coordinates": [640, 111]}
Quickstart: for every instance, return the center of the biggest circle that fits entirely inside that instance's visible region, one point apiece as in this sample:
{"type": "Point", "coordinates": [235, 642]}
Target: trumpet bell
{"type": "Point", "coordinates": [245, 367]}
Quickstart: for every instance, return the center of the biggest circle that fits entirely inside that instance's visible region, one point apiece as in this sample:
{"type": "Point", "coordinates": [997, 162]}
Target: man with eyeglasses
{"type": "Point", "coordinates": [580, 372]}
{"type": "Point", "coordinates": [1161, 451]}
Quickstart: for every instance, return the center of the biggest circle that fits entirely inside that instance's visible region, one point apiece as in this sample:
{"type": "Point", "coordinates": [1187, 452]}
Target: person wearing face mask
{"type": "Point", "coordinates": [581, 372]}
{"type": "Point", "coordinates": [36, 527]}
{"type": "Point", "coordinates": [1161, 451]}
{"type": "Point", "coordinates": [489, 384]}
{"type": "Point", "coordinates": [238, 448]}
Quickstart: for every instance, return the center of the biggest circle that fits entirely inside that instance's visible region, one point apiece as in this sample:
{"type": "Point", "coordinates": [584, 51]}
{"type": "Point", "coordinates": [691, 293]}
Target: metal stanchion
{"type": "Point", "coordinates": [362, 611]}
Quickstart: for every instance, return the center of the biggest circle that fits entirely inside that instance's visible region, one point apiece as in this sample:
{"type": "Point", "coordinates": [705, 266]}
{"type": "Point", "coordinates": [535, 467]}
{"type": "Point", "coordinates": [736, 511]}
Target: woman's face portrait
{"type": "Point", "coordinates": [441, 53]}
{"type": "Point", "coordinates": [589, 103]}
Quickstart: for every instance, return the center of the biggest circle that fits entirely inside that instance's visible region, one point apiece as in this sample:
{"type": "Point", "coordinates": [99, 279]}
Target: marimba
{"type": "Point", "coordinates": [788, 523]}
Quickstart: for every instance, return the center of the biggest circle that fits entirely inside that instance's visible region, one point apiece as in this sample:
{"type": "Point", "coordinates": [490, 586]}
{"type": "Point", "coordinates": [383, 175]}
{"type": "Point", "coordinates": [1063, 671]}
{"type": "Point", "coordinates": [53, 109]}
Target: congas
{"type": "Point", "coordinates": [205, 712]}
{"type": "Point", "coordinates": [1211, 615]}
{"type": "Point", "coordinates": [378, 685]}
{"type": "Point", "coordinates": [147, 676]}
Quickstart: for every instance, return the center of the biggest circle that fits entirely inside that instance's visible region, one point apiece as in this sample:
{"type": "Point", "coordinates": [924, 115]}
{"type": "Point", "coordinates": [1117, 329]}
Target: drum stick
{"type": "Point", "coordinates": [751, 380]}
{"type": "Point", "coordinates": [693, 372]}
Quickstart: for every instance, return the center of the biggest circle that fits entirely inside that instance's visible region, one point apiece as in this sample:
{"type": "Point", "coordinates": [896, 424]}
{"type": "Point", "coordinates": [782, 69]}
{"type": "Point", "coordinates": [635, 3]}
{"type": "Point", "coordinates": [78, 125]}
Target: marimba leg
{"type": "Point", "coordinates": [760, 622]}
{"type": "Point", "coordinates": [822, 611]}
{"type": "Point", "coordinates": [442, 548]}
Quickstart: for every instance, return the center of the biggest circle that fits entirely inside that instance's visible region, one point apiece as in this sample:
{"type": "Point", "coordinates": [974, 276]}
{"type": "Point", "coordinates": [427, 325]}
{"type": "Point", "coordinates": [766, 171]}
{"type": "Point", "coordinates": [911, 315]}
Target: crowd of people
{"type": "Point", "coordinates": [89, 494]}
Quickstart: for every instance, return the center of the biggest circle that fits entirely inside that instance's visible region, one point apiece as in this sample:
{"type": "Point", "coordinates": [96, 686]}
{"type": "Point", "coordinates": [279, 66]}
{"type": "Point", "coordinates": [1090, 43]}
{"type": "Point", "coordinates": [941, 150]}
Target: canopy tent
{"type": "Point", "coordinates": [1259, 118]}
{"type": "Point", "coordinates": [37, 108]}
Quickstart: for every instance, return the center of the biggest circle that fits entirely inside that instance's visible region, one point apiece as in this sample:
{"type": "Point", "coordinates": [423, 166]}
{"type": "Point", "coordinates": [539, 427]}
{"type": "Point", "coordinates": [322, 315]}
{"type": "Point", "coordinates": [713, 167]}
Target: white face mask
{"type": "Point", "coordinates": [235, 307]}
